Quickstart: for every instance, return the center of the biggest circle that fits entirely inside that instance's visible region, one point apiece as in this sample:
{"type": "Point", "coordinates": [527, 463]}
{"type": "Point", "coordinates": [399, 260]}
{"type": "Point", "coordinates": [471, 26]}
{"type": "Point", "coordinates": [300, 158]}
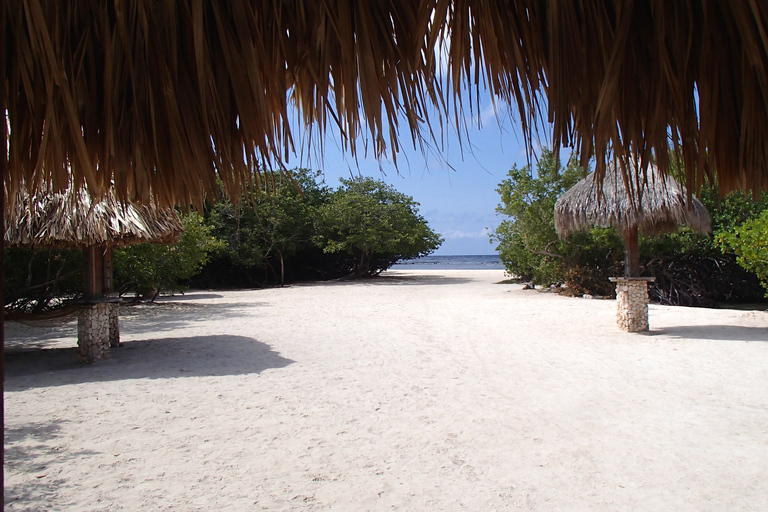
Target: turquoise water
{"type": "Point", "coordinates": [479, 262]}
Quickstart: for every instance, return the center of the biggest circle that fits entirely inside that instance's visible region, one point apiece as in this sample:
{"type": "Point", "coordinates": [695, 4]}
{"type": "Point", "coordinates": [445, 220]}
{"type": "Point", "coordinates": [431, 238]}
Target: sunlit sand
{"type": "Point", "coordinates": [419, 390]}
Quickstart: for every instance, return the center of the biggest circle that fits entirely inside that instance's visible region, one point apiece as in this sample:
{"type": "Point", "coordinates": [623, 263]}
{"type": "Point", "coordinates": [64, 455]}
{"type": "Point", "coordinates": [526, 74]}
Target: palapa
{"type": "Point", "coordinates": [73, 219]}
{"type": "Point", "coordinates": [162, 98]}
{"type": "Point", "coordinates": [650, 201]}
{"type": "Point", "coordinates": [629, 200]}
{"type": "Point", "coordinates": [647, 201]}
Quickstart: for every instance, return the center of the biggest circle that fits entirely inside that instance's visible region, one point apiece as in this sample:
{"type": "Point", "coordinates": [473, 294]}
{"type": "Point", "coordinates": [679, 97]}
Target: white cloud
{"type": "Point", "coordinates": [455, 233]}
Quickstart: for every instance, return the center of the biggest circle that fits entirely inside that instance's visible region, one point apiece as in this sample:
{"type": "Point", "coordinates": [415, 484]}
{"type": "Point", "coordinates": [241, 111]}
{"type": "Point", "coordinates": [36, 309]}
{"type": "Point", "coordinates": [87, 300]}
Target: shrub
{"type": "Point", "coordinates": [374, 225]}
{"type": "Point", "coordinates": [148, 269]}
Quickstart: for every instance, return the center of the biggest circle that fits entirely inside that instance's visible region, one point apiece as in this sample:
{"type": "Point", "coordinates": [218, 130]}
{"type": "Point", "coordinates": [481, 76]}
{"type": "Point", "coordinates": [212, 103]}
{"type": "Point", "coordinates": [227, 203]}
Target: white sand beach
{"type": "Point", "coordinates": [423, 390]}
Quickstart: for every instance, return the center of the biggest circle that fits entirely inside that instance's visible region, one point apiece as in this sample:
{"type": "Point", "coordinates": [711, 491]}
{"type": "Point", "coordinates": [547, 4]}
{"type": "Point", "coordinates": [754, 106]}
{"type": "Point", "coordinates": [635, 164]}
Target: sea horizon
{"type": "Point", "coordinates": [453, 262]}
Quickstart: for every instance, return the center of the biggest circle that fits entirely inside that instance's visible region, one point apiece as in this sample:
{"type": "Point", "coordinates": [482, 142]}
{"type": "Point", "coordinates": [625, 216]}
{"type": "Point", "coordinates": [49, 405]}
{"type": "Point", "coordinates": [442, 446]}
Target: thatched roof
{"type": "Point", "coordinates": [72, 219]}
{"type": "Point", "coordinates": [162, 97]}
{"type": "Point", "coordinates": [652, 202]}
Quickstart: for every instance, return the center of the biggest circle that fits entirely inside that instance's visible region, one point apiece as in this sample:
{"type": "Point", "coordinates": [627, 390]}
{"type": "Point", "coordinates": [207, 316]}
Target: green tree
{"type": "Point", "coordinates": [271, 225]}
{"type": "Point", "coordinates": [749, 241]}
{"type": "Point", "coordinates": [528, 244]}
{"type": "Point", "coordinates": [375, 224]}
{"type": "Point", "coordinates": [690, 268]}
{"type": "Point", "coordinates": [148, 269]}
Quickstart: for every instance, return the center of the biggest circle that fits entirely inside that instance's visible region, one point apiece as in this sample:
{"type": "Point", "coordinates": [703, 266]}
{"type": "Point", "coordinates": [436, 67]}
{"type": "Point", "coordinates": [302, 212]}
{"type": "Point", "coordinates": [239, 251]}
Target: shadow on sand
{"type": "Point", "coordinates": [164, 358]}
{"type": "Point", "coordinates": [189, 295]}
{"type": "Point", "coordinates": [714, 332]}
{"type": "Point", "coordinates": [135, 319]}
{"type": "Point", "coordinates": [28, 450]}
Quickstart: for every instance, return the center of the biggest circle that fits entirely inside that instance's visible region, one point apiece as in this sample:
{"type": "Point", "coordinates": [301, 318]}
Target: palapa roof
{"type": "Point", "coordinates": [162, 97]}
{"type": "Point", "coordinates": [73, 219]}
{"type": "Point", "coordinates": [653, 202]}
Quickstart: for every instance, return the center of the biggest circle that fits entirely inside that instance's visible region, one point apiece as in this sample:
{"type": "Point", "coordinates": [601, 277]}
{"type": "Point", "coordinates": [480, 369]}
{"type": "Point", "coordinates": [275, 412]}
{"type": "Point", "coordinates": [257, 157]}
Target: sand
{"type": "Point", "coordinates": [420, 390]}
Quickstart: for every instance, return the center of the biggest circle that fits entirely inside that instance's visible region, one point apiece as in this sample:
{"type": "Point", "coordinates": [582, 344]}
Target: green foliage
{"type": "Point", "coordinates": [268, 226]}
{"type": "Point", "coordinates": [690, 268]}
{"type": "Point", "coordinates": [749, 241]}
{"type": "Point", "coordinates": [291, 233]}
{"type": "Point", "coordinates": [527, 241]}
{"type": "Point", "coordinates": [375, 224]}
{"type": "Point", "coordinates": [148, 269]}
{"type": "Point", "coordinates": [312, 232]}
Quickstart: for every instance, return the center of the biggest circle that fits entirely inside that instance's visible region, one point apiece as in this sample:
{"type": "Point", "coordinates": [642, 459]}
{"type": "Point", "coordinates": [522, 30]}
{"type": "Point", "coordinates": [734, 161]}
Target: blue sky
{"type": "Point", "coordinates": [458, 203]}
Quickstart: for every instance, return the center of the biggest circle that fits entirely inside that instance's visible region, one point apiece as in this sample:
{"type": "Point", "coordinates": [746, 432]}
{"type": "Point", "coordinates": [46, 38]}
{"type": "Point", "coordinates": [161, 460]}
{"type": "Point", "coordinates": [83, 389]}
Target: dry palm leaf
{"type": "Point", "coordinates": [654, 203]}
{"type": "Point", "coordinates": [161, 98]}
{"type": "Point", "coordinates": [73, 219]}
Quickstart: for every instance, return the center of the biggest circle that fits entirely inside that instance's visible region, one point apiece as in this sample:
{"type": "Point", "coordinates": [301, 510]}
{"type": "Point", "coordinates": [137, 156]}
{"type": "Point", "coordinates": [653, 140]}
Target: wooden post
{"type": "Point", "coordinates": [2, 309]}
{"type": "Point", "coordinates": [631, 253]}
{"type": "Point", "coordinates": [93, 274]}
{"type": "Point", "coordinates": [3, 174]}
{"type": "Point", "coordinates": [107, 286]}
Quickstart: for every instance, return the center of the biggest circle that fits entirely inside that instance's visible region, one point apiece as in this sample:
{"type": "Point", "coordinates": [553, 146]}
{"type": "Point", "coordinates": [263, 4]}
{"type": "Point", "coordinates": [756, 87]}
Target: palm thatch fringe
{"type": "Point", "coordinates": [653, 202]}
{"type": "Point", "coordinates": [161, 98]}
{"type": "Point", "coordinates": [72, 219]}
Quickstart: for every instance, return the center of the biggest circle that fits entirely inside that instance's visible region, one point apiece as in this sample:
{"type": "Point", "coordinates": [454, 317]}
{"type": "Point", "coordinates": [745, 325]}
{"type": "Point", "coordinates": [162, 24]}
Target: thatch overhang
{"type": "Point", "coordinates": [162, 97]}
{"type": "Point", "coordinates": [72, 219]}
{"type": "Point", "coordinates": [652, 202]}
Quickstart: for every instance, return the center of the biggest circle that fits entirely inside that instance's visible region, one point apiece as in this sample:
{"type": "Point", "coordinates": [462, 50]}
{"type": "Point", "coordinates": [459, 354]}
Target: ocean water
{"type": "Point", "coordinates": [479, 262]}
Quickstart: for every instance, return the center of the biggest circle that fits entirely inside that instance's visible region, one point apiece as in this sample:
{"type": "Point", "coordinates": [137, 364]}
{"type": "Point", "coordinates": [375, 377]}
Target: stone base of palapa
{"type": "Point", "coordinates": [98, 329]}
{"type": "Point", "coordinates": [114, 324]}
{"type": "Point", "coordinates": [632, 302]}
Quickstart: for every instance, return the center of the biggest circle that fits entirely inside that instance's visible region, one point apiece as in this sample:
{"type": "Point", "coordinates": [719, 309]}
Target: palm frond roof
{"type": "Point", "coordinates": [73, 219]}
{"type": "Point", "coordinates": [653, 202]}
{"type": "Point", "coordinates": [161, 98]}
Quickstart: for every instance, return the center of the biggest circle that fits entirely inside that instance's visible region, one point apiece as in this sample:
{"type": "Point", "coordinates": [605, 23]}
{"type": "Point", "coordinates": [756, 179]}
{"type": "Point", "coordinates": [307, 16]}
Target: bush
{"type": "Point", "coordinates": [749, 242]}
{"type": "Point", "coordinates": [264, 231]}
{"type": "Point", "coordinates": [148, 269]}
{"type": "Point", "coordinates": [40, 279]}
{"type": "Point", "coordinates": [374, 225]}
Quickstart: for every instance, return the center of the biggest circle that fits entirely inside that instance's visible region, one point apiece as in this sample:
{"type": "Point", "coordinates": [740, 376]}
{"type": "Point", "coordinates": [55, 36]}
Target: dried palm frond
{"type": "Point", "coordinates": [158, 98]}
{"type": "Point", "coordinates": [161, 98]}
{"type": "Point", "coordinates": [73, 219]}
{"type": "Point", "coordinates": [653, 202]}
{"type": "Point", "coordinates": [630, 78]}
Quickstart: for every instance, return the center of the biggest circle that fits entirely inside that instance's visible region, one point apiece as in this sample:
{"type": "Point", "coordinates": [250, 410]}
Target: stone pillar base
{"type": "Point", "coordinates": [632, 303]}
{"type": "Point", "coordinates": [93, 332]}
{"type": "Point", "coordinates": [114, 324]}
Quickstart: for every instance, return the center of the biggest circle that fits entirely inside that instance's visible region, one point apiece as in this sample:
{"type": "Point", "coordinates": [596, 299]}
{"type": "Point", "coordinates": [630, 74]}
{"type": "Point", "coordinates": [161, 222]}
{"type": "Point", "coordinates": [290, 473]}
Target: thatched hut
{"type": "Point", "coordinates": [646, 201]}
{"type": "Point", "coordinates": [72, 219]}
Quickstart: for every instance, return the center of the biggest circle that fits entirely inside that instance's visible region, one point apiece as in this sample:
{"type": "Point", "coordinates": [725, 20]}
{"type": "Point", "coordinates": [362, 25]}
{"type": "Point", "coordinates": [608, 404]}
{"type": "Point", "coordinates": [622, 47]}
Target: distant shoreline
{"type": "Point", "coordinates": [456, 262]}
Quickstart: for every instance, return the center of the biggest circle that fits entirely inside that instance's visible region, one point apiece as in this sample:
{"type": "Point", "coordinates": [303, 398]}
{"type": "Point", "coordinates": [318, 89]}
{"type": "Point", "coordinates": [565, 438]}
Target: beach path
{"type": "Point", "coordinates": [418, 390]}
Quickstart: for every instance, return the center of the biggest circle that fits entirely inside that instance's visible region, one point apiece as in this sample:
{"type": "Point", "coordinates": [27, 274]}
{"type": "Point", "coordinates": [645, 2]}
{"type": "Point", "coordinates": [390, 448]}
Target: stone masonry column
{"type": "Point", "coordinates": [114, 324]}
{"type": "Point", "coordinates": [93, 332]}
{"type": "Point", "coordinates": [632, 303]}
